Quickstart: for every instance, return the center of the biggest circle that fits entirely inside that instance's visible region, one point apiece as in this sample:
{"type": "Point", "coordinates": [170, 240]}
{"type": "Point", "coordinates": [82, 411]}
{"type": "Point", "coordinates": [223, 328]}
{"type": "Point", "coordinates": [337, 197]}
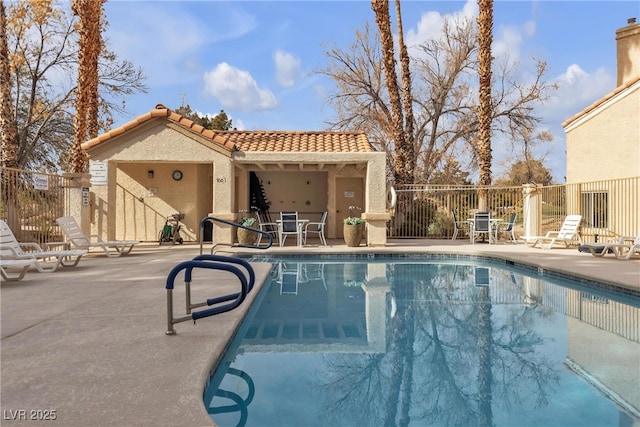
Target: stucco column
{"type": "Point", "coordinates": [376, 228]}
{"type": "Point", "coordinates": [78, 204]}
{"type": "Point", "coordinates": [376, 288]}
{"type": "Point", "coordinates": [532, 210]}
{"type": "Point", "coordinates": [376, 214]}
{"type": "Point", "coordinates": [224, 183]}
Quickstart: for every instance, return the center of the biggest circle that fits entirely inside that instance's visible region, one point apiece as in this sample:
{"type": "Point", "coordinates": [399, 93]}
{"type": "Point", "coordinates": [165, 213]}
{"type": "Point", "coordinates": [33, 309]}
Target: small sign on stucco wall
{"type": "Point", "coordinates": [99, 172]}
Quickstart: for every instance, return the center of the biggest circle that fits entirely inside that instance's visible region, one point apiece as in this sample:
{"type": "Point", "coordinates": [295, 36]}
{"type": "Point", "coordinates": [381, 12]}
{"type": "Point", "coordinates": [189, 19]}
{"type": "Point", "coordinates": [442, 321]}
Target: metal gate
{"type": "Point", "coordinates": [31, 202]}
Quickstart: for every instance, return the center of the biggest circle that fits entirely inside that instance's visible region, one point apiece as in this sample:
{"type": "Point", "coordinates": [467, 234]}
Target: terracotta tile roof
{"type": "Point", "coordinates": [271, 141]}
{"type": "Point", "coordinates": [289, 141]}
{"type": "Point", "coordinates": [601, 101]}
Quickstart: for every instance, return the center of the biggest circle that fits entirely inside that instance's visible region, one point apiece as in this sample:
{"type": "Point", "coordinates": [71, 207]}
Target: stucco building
{"type": "Point", "coordinates": [162, 163]}
{"type": "Point", "coordinates": [603, 140]}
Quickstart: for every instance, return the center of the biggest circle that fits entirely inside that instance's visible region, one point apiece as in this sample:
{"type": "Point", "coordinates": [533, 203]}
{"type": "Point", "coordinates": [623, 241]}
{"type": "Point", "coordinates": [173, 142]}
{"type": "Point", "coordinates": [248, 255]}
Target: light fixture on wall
{"type": "Point", "coordinates": [150, 173]}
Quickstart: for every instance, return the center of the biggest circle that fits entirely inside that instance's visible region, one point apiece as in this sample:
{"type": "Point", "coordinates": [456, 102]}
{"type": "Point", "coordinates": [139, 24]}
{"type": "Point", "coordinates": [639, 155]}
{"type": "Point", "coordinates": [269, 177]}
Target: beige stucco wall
{"type": "Point", "coordinates": [371, 167]}
{"type": "Point", "coordinates": [133, 205]}
{"type": "Point", "coordinates": [138, 204]}
{"type": "Point", "coordinates": [605, 143]}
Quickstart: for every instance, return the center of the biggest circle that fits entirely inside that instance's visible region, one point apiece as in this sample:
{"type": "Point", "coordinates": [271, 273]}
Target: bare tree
{"type": "Point", "coordinates": [43, 58]}
{"type": "Point", "coordinates": [445, 103]}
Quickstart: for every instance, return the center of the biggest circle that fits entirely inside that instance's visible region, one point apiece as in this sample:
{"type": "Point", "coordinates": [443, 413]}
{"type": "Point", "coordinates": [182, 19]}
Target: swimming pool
{"type": "Point", "coordinates": [373, 340]}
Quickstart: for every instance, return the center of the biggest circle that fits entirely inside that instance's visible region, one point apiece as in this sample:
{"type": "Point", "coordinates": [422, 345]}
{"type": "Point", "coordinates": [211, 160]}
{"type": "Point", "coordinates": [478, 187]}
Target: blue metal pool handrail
{"type": "Point", "coordinates": [206, 219]}
{"type": "Point", "coordinates": [239, 404]}
{"type": "Point", "coordinates": [213, 262]}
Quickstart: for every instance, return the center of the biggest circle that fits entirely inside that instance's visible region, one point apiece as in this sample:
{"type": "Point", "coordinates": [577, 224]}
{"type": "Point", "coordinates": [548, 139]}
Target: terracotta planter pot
{"type": "Point", "coordinates": [246, 237]}
{"type": "Point", "coordinates": [353, 234]}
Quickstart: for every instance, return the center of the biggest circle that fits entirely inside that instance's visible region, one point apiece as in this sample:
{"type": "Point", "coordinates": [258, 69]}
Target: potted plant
{"type": "Point", "coordinates": [246, 237]}
{"type": "Point", "coordinates": [353, 230]}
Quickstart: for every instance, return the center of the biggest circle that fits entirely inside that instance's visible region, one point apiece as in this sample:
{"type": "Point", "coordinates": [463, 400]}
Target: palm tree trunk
{"type": "Point", "coordinates": [485, 110]}
{"type": "Point", "coordinates": [90, 13]}
{"type": "Point", "coordinates": [403, 174]}
{"type": "Point", "coordinates": [8, 125]}
{"type": "Point", "coordinates": [407, 98]}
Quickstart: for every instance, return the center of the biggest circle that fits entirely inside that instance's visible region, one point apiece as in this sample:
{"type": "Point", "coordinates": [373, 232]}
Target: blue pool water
{"type": "Point", "coordinates": [429, 342]}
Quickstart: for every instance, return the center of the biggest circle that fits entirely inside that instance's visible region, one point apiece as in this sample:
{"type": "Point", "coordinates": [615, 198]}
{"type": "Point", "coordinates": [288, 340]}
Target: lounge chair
{"type": "Point", "coordinates": [567, 235]}
{"type": "Point", "coordinates": [22, 264]}
{"type": "Point", "coordinates": [11, 249]}
{"type": "Point", "coordinates": [76, 238]}
{"type": "Point", "coordinates": [624, 248]}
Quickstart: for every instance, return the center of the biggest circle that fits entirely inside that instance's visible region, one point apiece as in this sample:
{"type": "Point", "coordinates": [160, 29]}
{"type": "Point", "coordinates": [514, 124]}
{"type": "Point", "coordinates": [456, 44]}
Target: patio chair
{"type": "Point", "coordinates": [288, 278]}
{"type": "Point", "coordinates": [567, 235]}
{"type": "Point", "coordinates": [316, 228]}
{"type": "Point", "coordinates": [265, 225]}
{"type": "Point", "coordinates": [508, 228]}
{"type": "Point", "coordinates": [458, 225]}
{"type": "Point", "coordinates": [11, 249]}
{"type": "Point", "coordinates": [76, 238]}
{"type": "Point", "coordinates": [624, 248]}
{"type": "Point", "coordinates": [288, 225]}
{"type": "Point", "coordinates": [9, 264]}
{"type": "Point", "coordinates": [481, 226]}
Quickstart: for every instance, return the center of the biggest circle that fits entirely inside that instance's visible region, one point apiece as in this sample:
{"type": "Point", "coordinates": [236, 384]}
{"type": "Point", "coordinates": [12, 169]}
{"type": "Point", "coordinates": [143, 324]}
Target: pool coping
{"type": "Point", "coordinates": [89, 342]}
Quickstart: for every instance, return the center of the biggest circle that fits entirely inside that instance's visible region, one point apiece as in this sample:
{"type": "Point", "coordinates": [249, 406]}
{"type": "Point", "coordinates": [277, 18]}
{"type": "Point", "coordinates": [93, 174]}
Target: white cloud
{"type": "Point", "coordinates": [577, 89]}
{"type": "Point", "coordinates": [236, 89]}
{"type": "Point", "coordinates": [287, 68]}
{"type": "Point", "coordinates": [508, 42]}
{"type": "Point", "coordinates": [168, 40]}
{"type": "Point", "coordinates": [431, 25]}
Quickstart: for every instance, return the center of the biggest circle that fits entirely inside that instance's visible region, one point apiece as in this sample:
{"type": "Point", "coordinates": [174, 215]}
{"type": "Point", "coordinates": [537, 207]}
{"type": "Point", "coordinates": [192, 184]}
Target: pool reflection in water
{"type": "Point", "coordinates": [345, 342]}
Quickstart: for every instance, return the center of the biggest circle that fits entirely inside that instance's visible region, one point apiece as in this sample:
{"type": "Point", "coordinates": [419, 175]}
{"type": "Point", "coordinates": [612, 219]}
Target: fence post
{"type": "Point", "coordinates": [78, 203]}
{"type": "Point", "coordinates": [532, 210]}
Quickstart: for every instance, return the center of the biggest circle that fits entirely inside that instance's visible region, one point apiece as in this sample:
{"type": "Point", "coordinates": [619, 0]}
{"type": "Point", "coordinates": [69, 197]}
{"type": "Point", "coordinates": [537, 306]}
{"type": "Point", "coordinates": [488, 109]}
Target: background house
{"type": "Point", "coordinates": [603, 140]}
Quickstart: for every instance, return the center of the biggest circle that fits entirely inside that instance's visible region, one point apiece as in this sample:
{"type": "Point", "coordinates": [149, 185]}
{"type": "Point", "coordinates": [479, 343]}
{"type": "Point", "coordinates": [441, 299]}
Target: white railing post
{"type": "Point", "coordinates": [532, 210]}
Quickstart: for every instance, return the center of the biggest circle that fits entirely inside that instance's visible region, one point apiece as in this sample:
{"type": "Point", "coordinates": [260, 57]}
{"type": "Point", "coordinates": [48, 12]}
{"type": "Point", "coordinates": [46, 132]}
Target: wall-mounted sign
{"type": "Point", "coordinates": [40, 181]}
{"type": "Point", "coordinates": [85, 196]}
{"type": "Point", "coordinates": [349, 194]}
{"type": "Point", "coordinates": [99, 172]}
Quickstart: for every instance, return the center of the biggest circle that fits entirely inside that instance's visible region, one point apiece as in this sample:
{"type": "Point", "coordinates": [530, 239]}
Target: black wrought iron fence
{"type": "Point", "coordinates": [31, 202]}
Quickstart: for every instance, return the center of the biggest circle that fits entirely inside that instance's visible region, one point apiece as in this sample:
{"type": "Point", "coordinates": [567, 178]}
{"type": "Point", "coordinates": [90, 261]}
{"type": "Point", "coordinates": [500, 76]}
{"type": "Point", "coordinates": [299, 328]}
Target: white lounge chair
{"type": "Point", "coordinates": [76, 238]}
{"type": "Point", "coordinates": [11, 249]}
{"type": "Point", "coordinates": [22, 264]}
{"type": "Point", "coordinates": [568, 234]}
{"type": "Point", "coordinates": [624, 248]}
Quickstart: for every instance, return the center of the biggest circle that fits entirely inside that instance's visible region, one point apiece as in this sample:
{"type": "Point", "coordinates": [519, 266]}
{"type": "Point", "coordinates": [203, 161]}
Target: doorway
{"type": "Point", "coordinates": [349, 192]}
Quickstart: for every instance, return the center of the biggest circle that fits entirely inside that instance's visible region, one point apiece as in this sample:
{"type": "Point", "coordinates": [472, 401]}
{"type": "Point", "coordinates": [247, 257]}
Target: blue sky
{"type": "Point", "coordinates": [256, 59]}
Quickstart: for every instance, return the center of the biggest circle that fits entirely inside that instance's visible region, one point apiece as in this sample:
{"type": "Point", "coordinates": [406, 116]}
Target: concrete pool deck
{"type": "Point", "coordinates": [87, 345]}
